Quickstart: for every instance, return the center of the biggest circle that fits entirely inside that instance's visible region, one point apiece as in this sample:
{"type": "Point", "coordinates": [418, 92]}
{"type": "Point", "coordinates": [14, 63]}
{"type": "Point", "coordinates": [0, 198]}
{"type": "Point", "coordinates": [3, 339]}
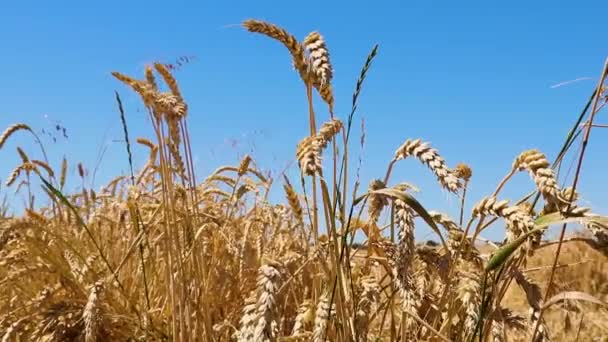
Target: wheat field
{"type": "Point", "coordinates": [163, 254]}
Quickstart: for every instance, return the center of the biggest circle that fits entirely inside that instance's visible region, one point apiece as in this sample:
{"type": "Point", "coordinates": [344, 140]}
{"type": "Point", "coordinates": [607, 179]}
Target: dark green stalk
{"type": "Point", "coordinates": [138, 220]}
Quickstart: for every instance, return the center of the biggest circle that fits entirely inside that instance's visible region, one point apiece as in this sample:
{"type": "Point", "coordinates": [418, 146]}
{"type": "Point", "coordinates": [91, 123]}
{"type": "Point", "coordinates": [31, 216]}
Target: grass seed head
{"type": "Point", "coordinates": [430, 157]}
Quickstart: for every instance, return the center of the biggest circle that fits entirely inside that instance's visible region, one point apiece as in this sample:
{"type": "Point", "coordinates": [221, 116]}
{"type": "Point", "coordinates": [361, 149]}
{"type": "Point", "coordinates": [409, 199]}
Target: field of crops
{"type": "Point", "coordinates": [163, 253]}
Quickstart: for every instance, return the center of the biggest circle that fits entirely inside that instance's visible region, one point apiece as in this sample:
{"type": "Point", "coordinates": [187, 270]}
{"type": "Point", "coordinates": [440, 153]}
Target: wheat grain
{"type": "Point", "coordinates": [369, 296]}
{"type": "Point", "coordinates": [248, 320]}
{"type": "Point", "coordinates": [22, 155]}
{"type": "Point", "coordinates": [92, 313]}
{"type": "Point", "coordinates": [268, 285]}
{"type": "Point", "coordinates": [64, 171]}
{"type": "Point", "coordinates": [376, 202]}
{"type": "Point", "coordinates": [145, 90]}
{"type": "Point", "coordinates": [319, 63]}
{"type": "Point", "coordinates": [304, 317]}
{"type": "Point", "coordinates": [518, 220]}
{"type": "Point", "coordinates": [463, 171]}
{"type": "Point", "coordinates": [444, 220]}
{"type": "Point", "coordinates": [146, 142]}
{"type": "Point", "coordinates": [74, 264]}
{"type": "Point", "coordinates": [289, 41]}
{"type": "Point", "coordinates": [599, 230]}
{"type": "Point", "coordinates": [538, 166]}
{"type": "Point", "coordinates": [294, 201]}
{"type": "Point", "coordinates": [498, 331]}
{"type": "Point", "coordinates": [402, 272]}
{"type": "Point", "coordinates": [244, 165]}
{"type": "Point", "coordinates": [150, 77]}
{"type": "Point", "coordinates": [177, 158]}
{"type": "Point", "coordinates": [11, 130]}
{"type": "Point", "coordinates": [429, 156]}
{"type": "Point", "coordinates": [170, 80]}
{"type": "Point", "coordinates": [404, 218]}
{"type": "Point", "coordinates": [328, 131]}
{"type": "Point", "coordinates": [323, 315]}
{"type": "Point", "coordinates": [45, 166]}
{"type": "Point", "coordinates": [13, 176]}
{"type": "Point", "coordinates": [327, 94]}
{"type": "Point", "coordinates": [172, 106]}
{"type": "Point", "coordinates": [309, 155]}
{"type": "Point", "coordinates": [469, 292]}
{"type": "Point", "coordinates": [36, 216]}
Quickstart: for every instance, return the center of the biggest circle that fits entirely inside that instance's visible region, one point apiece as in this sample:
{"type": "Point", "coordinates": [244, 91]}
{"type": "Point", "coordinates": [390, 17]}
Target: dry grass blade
{"type": "Point", "coordinates": [503, 253]}
{"type": "Point", "coordinates": [573, 295]}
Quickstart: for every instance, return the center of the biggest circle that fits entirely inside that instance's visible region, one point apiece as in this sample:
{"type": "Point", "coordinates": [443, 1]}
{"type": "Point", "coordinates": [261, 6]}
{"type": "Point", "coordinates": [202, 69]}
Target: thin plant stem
{"type": "Point", "coordinates": [574, 185]}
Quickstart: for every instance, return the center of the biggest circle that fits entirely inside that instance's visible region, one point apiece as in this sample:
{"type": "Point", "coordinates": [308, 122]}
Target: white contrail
{"type": "Point", "coordinates": [571, 81]}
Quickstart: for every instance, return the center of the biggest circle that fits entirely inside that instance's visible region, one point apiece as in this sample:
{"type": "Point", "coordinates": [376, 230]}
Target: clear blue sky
{"type": "Point", "coordinates": [474, 79]}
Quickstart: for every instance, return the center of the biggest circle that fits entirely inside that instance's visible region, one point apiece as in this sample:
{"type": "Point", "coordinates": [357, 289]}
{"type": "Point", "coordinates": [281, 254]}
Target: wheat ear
{"type": "Point", "coordinates": [145, 90]}
{"type": "Point", "coordinates": [92, 313]}
{"type": "Point", "coordinates": [268, 285]}
{"type": "Point", "coordinates": [304, 316]}
{"type": "Point", "coordinates": [11, 130]}
{"type": "Point", "coordinates": [518, 220]}
{"type": "Point", "coordinates": [64, 171]}
{"type": "Point", "coordinates": [430, 157]}
{"type": "Point", "coordinates": [469, 292]}
{"type": "Point", "coordinates": [308, 153]}
{"type": "Point", "coordinates": [328, 131]}
{"type": "Point", "coordinates": [320, 64]}
{"type": "Point", "coordinates": [150, 78]}
{"type": "Point", "coordinates": [294, 201]}
{"type": "Point", "coordinates": [322, 317]}
{"type": "Point", "coordinates": [539, 168]}
{"type": "Point", "coordinates": [376, 202]}
{"type": "Point", "coordinates": [402, 273]}
{"type": "Point", "coordinates": [369, 296]}
{"type": "Point", "coordinates": [291, 43]}
{"type": "Point", "coordinates": [169, 79]}
{"type": "Point", "coordinates": [247, 321]}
